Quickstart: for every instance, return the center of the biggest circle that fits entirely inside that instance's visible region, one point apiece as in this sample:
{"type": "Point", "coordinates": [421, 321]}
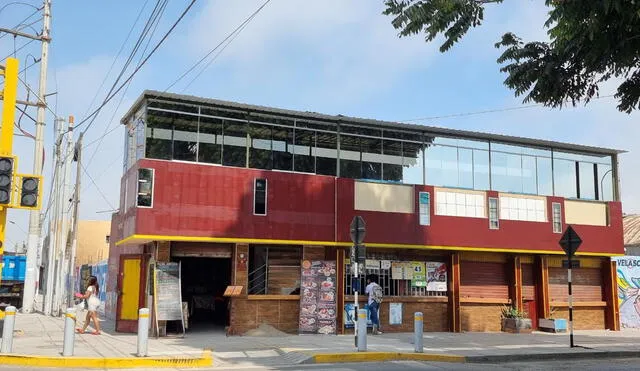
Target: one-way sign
{"type": "Point", "coordinates": [570, 241]}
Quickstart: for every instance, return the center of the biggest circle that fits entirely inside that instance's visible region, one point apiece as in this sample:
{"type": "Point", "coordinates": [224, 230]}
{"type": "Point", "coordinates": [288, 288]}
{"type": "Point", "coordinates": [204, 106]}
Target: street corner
{"type": "Point", "coordinates": [204, 360]}
{"type": "Point", "coordinates": [383, 357]}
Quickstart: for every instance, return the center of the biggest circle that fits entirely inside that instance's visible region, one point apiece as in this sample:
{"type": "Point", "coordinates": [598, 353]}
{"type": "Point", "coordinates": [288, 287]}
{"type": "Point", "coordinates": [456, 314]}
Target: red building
{"type": "Point", "coordinates": [241, 194]}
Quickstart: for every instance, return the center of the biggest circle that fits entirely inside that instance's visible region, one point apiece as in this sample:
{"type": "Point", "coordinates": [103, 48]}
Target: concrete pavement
{"type": "Point", "coordinates": [41, 336]}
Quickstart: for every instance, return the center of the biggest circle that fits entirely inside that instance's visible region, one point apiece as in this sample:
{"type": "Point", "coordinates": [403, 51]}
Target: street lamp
{"type": "Point", "coordinates": [601, 180]}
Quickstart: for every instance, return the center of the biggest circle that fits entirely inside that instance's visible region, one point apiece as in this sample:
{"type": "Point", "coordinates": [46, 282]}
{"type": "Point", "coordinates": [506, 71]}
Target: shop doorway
{"type": "Point", "coordinates": [204, 280]}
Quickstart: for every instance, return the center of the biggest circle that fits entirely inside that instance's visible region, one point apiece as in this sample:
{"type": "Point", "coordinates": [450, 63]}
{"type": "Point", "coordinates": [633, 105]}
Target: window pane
{"type": "Point", "coordinates": [545, 180]}
{"type": "Point", "coordinates": [172, 106]}
{"type": "Point", "coordinates": [564, 178]}
{"type": "Point", "coordinates": [412, 163]}
{"type": "Point", "coordinates": [304, 161]}
{"type": "Point", "coordinates": [606, 182]}
{"type": "Point", "coordinates": [326, 153]}
{"type": "Point", "coordinates": [234, 152]}
{"type": "Point", "coordinates": [481, 169]}
{"type": "Point", "coordinates": [529, 176]}
{"type": "Point", "coordinates": [442, 166]}
{"type": "Point", "coordinates": [587, 186]}
{"type": "Point", "coordinates": [392, 161]}
{"type": "Point", "coordinates": [145, 187]}
{"type": "Point", "coordinates": [210, 140]}
{"type": "Point", "coordinates": [371, 158]}
{"type": "Point", "coordinates": [350, 157]}
{"type": "Point", "coordinates": [185, 138]}
{"type": "Point", "coordinates": [159, 134]}
{"type": "Point", "coordinates": [260, 146]}
{"type": "Point", "coordinates": [465, 168]}
{"type": "Point", "coordinates": [506, 172]}
{"type": "Point", "coordinates": [282, 147]}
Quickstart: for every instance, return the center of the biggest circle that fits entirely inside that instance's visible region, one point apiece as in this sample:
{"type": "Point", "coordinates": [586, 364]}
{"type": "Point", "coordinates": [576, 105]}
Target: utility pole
{"type": "Point", "coordinates": [54, 220]}
{"type": "Point", "coordinates": [34, 215]}
{"type": "Point", "coordinates": [74, 236]}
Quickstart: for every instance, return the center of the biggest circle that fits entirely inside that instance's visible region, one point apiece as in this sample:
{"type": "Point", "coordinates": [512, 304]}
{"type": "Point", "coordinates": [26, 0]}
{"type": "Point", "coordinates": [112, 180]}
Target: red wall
{"type": "Point", "coordinates": [215, 201]}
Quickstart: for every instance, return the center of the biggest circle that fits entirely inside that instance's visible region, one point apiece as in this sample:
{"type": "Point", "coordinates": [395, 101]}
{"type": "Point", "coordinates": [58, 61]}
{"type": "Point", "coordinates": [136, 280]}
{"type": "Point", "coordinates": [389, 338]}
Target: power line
{"type": "Point", "coordinates": [18, 49]}
{"type": "Point", "coordinates": [115, 59]}
{"type": "Point", "coordinates": [474, 113]}
{"type": "Point", "coordinates": [144, 61]}
{"type": "Point", "coordinates": [24, 20]}
{"type": "Point", "coordinates": [97, 187]}
{"type": "Point", "coordinates": [230, 35]}
{"type": "Point", "coordinates": [124, 93]}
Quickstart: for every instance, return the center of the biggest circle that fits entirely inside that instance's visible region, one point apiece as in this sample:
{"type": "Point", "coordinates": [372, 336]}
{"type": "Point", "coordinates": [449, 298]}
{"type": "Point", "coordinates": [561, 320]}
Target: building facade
{"type": "Point", "coordinates": [241, 194]}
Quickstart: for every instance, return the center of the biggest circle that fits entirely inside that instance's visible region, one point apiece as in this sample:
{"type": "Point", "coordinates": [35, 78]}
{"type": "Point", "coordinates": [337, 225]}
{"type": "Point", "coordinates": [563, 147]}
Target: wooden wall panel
{"type": "Point", "coordinates": [528, 282]}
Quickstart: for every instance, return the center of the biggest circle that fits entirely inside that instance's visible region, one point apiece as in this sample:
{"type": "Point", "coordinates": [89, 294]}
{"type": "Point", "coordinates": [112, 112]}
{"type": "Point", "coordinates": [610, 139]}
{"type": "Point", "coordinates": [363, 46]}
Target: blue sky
{"type": "Point", "coordinates": [330, 56]}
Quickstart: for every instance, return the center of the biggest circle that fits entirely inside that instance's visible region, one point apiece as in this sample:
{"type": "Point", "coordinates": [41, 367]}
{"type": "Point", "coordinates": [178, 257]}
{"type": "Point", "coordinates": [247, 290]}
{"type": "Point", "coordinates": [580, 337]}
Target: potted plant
{"type": "Point", "coordinates": [552, 324]}
{"type": "Point", "coordinates": [515, 321]}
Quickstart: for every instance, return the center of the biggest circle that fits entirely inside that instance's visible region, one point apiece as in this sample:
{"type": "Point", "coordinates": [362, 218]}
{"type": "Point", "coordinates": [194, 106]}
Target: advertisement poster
{"type": "Point", "coordinates": [350, 314]}
{"type": "Point", "coordinates": [424, 208]}
{"type": "Point", "coordinates": [318, 301]}
{"type": "Point", "coordinates": [407, 268]}
{"type": "Point", "coordinates": [395, 313]}
{"type": "Point", "coordinates": [372, 264]}
{"type": "Point", "coordinates": [628, 290]}
{"type": "Point", "coordinates": [419, 278]}
{"type": "Point", "coordinates": [397, 271]}
{"type": "Point", "coordinates": [385, 264]}
{"type": "Point", "coordinates": [436, 276]}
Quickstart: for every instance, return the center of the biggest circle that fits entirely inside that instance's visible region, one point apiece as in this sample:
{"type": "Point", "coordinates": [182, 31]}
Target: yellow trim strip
{"type": "Point", "coordinates": [146, 237]}
{"type": "Point", "coordinates": [206, 360]}
{"type": "Point", "coordinates": [385, 356]}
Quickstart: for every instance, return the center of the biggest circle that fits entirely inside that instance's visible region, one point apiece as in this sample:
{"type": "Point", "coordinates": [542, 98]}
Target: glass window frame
{"type": "Point", "coordinates": [494, 218]}
{"type": "Point", "coordinates": [153, 185]}
{"type": "Point", "coordinates": [255, 195]}
{"type": "Point", "coordinates": [556, 217]}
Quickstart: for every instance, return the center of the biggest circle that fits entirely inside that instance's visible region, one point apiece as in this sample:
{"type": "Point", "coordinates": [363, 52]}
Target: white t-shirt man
{"type": "Point", "coordinates": [369, 290]}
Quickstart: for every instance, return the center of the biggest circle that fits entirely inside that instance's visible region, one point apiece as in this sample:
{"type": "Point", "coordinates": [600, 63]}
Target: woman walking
{"type": "Point", "coordinates": [91, 296]}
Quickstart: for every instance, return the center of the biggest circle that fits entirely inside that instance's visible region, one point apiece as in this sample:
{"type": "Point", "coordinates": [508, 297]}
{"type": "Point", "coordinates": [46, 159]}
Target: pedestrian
{"type": "Point", "coordinates": [91, 296]}
{"type": "Point", "coordinates": [375, 298]}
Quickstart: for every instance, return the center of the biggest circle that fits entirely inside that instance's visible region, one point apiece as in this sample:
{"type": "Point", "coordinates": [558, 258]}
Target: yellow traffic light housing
{"type": "Point", "coordinates": [28, 192]}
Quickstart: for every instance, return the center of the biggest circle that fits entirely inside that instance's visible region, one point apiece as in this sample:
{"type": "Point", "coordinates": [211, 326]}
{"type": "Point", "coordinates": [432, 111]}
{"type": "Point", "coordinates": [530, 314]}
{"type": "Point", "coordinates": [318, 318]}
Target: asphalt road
{"type": "Point", "coordinates": [582, 365]}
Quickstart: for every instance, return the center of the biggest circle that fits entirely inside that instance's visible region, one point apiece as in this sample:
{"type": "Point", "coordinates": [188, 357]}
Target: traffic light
{"type": "Point", "coordinates": [30, 192]}
{"type": "Point", "coordinates": [6, 180]}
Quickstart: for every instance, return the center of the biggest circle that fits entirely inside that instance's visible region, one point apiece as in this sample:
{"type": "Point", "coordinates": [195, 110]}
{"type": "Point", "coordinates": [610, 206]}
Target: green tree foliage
{"type": "Point", "coordinates": [591, 41]}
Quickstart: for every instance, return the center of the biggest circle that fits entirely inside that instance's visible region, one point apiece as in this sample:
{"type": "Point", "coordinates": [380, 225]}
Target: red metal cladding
{"type": "Point", "coordinates": [215, 201]}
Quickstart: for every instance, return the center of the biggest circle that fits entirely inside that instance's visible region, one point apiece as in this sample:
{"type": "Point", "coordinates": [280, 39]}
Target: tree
{"type": "Point", "coordinates": [590, 42]}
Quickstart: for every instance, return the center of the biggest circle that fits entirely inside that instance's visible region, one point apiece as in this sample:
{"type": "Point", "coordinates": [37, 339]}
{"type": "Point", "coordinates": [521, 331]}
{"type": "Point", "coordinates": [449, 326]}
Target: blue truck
{"type": "Point", "coordinates": [12, 281]}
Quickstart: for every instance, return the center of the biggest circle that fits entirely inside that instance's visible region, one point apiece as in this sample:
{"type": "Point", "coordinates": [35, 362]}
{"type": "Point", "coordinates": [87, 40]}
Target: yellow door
{"type": "Point", "coordinates": [130, 289]}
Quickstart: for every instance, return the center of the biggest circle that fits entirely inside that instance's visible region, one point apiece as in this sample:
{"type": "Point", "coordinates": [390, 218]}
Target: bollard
{"type": "Point", "coordinates": [7, 331]}
{"type": "Point", "coordinates": [362, 330]}
{"type": "Point", "coordinates": [69, 332]}
{"type": "Point", "coordinates": [143, 332]}
{"type": "Point", "coordinates": [418, 325]}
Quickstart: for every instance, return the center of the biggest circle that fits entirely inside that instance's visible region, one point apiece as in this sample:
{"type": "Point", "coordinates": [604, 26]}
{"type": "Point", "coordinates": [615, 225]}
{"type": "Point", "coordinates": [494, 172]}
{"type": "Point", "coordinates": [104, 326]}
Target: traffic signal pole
{"type": "Point", "coordinates": [9, 97]}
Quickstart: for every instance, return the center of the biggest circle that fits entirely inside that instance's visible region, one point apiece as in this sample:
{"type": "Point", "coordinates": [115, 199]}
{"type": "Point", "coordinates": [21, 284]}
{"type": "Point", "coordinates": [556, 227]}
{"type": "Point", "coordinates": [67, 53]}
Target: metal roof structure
{"type": "Point", "coordinates": [432, 130]}
{"type": "Point", "coordinates": [631, 227]}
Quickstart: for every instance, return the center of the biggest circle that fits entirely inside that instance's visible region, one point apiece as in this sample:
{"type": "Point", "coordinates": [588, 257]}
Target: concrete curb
{"type": "Point", "coordinates": [382, 357]}
{"type": "Point", "coordinates": [206, 360]}
{"type": "Point", "coordinates": [593, 354]}
{"type": "Point", "coordinates": [319, 358]}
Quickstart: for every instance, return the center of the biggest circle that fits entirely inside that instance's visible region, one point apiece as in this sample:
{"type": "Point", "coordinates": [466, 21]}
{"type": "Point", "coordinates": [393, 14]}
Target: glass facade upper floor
{"type": "Point", "coordinates": [164, 129]}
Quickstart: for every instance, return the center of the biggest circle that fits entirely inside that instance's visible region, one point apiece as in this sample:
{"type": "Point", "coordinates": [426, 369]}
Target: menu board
{"type": "Point", "coordinates": [167, 292]}
{"type": "Point", "coordinates": [318, 301]}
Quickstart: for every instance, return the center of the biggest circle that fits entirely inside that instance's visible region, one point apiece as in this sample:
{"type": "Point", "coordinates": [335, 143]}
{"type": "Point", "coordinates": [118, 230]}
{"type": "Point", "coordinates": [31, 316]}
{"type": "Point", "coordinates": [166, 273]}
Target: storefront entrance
{"type": "Point", "coordinates": [204, 281]}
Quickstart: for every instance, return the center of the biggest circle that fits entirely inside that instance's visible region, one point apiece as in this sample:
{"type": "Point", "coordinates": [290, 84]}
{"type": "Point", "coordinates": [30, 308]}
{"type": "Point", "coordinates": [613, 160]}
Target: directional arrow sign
{"type": "Point", "coordinates": [570, 241]}
{"type": "Point", "coordinates": [357, 230]}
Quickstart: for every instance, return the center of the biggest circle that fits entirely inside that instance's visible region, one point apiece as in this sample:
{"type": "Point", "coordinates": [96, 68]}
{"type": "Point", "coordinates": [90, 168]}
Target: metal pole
{"type": "Point", "coordinates": [570, 303]}
{"type": "Point", "coordinates": [69, 332]}
{"type": "Point", "coordinates": [61, 229]}
{"type": "Point", "coordinates": [418, 327]}
{"type": "Point", "coordinates": [362, 330]}
{"type": "Point", "coordinates": [76, 202]}
{"type": "Point", "coordinates": [7, 331]}
{"type": "Point", "coordinates": [355, 302]}
{"type": "Point", "coordinates": [34, 215]}
{"type": "Point", "coordinates": [143, 332]}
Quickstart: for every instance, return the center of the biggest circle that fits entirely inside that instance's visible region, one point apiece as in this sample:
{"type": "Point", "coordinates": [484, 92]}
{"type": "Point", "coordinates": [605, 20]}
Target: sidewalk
{"type": "Point", "coordinates": [38, 335]}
